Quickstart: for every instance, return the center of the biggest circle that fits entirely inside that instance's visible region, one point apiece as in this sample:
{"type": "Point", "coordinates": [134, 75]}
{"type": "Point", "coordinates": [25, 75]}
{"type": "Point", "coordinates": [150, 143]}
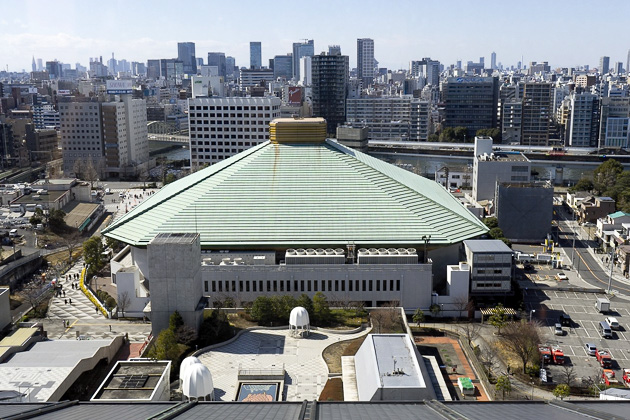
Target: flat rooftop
{"type": "Point", "coordinates": [487, 245]}
{"type": "Point", "coordinates": [132, 380]}
{"type": "Point", "coordinates": [396, 362]}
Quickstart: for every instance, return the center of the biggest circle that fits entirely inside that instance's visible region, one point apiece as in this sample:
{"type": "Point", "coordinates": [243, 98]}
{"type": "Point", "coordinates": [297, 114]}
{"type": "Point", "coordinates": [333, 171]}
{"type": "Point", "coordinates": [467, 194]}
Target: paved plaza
{"type": "Point", "coordinates": [306, 371]}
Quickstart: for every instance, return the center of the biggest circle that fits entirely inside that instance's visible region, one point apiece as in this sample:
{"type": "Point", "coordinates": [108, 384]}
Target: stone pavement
{"type": "Point", "coordinates": [306, 371]}
{"type": "Point", "coordinates": [80, 308]}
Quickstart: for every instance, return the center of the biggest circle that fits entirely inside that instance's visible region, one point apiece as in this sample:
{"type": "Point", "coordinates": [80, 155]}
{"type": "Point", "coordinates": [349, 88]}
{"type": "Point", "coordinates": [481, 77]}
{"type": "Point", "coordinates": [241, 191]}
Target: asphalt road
{"type": "Point", "coordinates": [589, 269]}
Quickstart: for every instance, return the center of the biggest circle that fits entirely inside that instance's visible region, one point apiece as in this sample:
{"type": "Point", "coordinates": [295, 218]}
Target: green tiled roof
{"type": "Point", "coordinates": [301, 195]}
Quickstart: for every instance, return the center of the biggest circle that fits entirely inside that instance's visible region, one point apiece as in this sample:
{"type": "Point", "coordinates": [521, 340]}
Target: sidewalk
{"type": "Point", "coordinates": [80, 308]}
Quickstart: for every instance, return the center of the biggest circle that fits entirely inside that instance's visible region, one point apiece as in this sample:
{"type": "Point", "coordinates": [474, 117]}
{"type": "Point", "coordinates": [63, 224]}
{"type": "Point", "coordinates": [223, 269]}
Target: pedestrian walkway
{"type": "Point", "coordinates": [80, 308]}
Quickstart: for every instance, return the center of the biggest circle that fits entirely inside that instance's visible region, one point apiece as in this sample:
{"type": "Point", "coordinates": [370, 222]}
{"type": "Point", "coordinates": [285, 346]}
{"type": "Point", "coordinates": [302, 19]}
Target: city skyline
{"type": "Point", "coordinates": [461, 31]}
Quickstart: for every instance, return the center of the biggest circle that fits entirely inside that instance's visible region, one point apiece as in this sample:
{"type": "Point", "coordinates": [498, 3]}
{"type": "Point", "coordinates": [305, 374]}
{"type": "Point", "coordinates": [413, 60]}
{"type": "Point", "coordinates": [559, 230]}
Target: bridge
{"type": "Point", "coordinates": [166, 131]}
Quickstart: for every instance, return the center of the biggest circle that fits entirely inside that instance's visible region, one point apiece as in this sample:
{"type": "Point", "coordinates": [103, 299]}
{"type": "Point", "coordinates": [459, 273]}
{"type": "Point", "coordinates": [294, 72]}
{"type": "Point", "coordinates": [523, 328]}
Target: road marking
{"type": "Point", "coordinates": [622, 334]}
{"type": "Point", "coordinates": [72, 325]}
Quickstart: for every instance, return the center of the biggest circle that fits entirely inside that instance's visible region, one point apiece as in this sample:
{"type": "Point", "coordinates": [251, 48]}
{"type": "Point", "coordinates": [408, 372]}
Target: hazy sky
{"type": "Point", "coordinates": [565, 33]}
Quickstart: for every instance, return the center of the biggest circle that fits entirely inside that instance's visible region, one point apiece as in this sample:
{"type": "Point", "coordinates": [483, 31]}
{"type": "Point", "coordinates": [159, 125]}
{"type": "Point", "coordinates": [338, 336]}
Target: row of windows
{"type": "Point", "coordinates": [229, 136]}
{"type": "Point", "coordinates": [220, 143]}
{"type": "Point", "coordinates": [232, 108]}
{"type": "Point", "coordinates": [231, 122]}
{"type": "Point", "coordinates": [487, 285]}
{"type": "Point", "coordinates": [304, 286]}
{"type": "Point", "coordinates": [233, 129]}
{"type": "Point", "coordinates": [234, 151]}
{"type": "Point", "coordinates": [213, 115]}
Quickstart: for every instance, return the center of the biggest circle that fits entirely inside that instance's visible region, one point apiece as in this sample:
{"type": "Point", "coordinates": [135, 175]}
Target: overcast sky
{"type": "Point", "coordinates": [565, 33]}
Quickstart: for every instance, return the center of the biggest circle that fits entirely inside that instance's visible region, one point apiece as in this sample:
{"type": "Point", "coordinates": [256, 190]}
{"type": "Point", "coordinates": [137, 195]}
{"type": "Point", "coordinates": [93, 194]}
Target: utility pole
{"type": "Point", "coordinates": [612, 263]}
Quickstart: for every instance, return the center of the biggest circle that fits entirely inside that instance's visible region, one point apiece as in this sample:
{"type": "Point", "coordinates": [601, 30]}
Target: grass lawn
{"type": "Point", "coordinates": [332, 354]}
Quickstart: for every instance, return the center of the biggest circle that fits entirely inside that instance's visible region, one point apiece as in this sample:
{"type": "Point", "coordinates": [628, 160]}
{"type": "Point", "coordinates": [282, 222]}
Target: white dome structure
{"type": "Point", "coordinates": [197, 382]}
{"type": "Point", "coordinates": [299, 321]}
{"type": "Point", "coordinates": [186, 363]}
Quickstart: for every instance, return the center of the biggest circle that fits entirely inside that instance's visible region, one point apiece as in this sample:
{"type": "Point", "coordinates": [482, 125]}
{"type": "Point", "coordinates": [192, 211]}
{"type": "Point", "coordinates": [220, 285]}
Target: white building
{"type": "Point", "coordinates": [223, 127]}
{"type": "Point", "coordinates": [490, 168]}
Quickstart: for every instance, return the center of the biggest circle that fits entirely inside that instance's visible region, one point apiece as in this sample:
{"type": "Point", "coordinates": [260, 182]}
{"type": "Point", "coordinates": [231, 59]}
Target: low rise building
{"type": "Point", "coordinates": [490, 262]}
{"type": "Point", "coordinates": [592, 208]}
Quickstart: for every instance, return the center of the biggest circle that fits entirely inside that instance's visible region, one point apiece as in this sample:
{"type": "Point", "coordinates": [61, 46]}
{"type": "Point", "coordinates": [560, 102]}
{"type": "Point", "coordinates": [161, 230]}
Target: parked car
{"type": "Point", "coordinates": [561, 277]}
{"type": "Point", "coordinates": [591, 349]}
{"type": "Point", "coordinates": [565, 320]}
{"type": "Point", "coordinates": [612, 321]}
{"type": "Point", "coordinates": [558, 330]}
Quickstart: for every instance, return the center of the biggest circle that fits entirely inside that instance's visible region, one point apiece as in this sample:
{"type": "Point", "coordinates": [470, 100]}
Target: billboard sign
{"type": "Point", "coordinates": [63, 92]}
{"type": "Point", "coordinates": [119, 87]}
{"type": "Point", "coordinates": [295, 95]}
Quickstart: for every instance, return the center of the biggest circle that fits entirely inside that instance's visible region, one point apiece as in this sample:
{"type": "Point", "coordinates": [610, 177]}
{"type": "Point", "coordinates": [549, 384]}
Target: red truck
{"type": "Point", "coordinates": [557, 355]}
{"type": "Point", "coordinates": [545, 354]}
{"type": "Point", "coordinates": [608, 377]}
{"type": "Point", "coordinates": [626, 377]}
{"type": "Point", "coordinates": [604, 358]}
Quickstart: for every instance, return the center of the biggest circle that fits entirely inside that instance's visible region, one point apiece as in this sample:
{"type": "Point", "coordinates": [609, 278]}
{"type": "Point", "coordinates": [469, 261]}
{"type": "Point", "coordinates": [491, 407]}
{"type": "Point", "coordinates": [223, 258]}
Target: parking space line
{"type": "Point", "coordinates": [622, 334]}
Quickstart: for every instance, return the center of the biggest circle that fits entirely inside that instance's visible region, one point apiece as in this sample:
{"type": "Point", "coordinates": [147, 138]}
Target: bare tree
{"type": "Point", "coordinates": [462, 303]}
{"type": "Point", "coordinates": [522, 339]}
{"type": "Point", "coordinates": [78, 168]}
{"type": "Point", "coordinates": [471, 331]}
{"type": "Point", "coordinates": [489, 360]}
{"type": "Point", "coordinates": [123, 302]}
{"type": "Point", "coordinates": [71, 241]}
{"type": "Point", "coordinates": [569, 374]}
{"type": "Point", "coordinates": [379, 319]}
{"type": "Point", "coordinates": [90, 173]}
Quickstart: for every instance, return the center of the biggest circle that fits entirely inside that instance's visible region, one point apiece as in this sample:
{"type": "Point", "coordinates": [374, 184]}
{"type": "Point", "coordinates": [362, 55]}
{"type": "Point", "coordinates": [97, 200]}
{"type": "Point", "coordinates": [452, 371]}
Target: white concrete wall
{"type": "Point", "coordinates": [128, 281]}
{"type": "Point", "coordinates": [5, 307]}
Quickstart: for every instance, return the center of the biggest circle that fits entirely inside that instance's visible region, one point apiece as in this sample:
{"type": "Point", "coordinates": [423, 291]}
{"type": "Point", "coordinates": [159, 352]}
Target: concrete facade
{"type": "Point", "coordinates": [175, 279]}
{"type": "Point", "coordinates": [490, 262]}
{"type": "Point", "coordinates": [5, 308]}
{"type": "Point", "coordinates": [524, 211]}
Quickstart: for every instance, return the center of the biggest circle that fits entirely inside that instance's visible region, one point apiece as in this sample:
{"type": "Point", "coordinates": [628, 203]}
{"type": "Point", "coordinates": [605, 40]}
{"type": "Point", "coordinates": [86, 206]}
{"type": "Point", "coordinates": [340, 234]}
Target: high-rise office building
{"type": "Point", "coordinates": [218, 59]}
{"type": "Point", "coordinates": [614, 121]}
{"type": "Point", "coordinates": [618, 68]}
{"type": "Point", "coordinates": [493, 60]}
{"type": "Point", "coordinates": [110, 135]}
{"type": "Point", "coordinates": [627, 64]}
{"type": "Point", "coordinates": [255, 55]}
{"type": "Point", "coordinates": [230, 66]}
{"type": "Point", "coordinates": [301, 49]}
{"type": "Point", "coordinates": [54, 69]}
{"type": "Point", "coordinates": [223, 127]}
{"type": "Point", "coordinates": [186, 54]}
{"type": "Point", "coordinates": [365, 60]}
{"type": "Point", "coordinates": [172, 70]}
{"type": "Point", "coordinates": [604, 65]}
{"type": "Point", "coordinates": [153, 69]}
{"type": "Point", "coordinates": [537, 113]}
{"type": "Point", "coordinates": [330, 75]}
{"type": "Point", "coordinates": [334, 50]}
{"type": "Point", "coordinates": [471, 102]}
{"type": "Point", "coordinates": [34, 66]}
{"type": "Point", "coordinates": [40, 65]}
{"type": "Point", "coordinates": [283, 66]}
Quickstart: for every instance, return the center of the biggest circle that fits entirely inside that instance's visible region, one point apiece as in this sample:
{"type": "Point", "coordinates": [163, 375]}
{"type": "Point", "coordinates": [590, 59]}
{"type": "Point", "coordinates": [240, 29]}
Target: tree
{"type": "Point", "coordinates": [123, 302]}
{"type": "Point", "coordinates": [503, 385]}
{"type": "Point", "coordinates": [418, 316]}
{"type": "Point", "coordinates": [78, 168]}
{"type": "Point", "coordinates": [90, 174]}
{"type": "Point", "coordinates": [93, 253]}
{"type": "Point", "coordinates": [498, 318]}
{"type": "Point", "coordinates": [522, 339]}
{"type": "Point", "coordinates": [583, 184]}
{"type": "Point", "coordinates": [262, 310]}
{"type": "Point", "coordinates": [166, 347]}
{"type": "Point", "coordinates": [491, 222]}
{"type": "Point", "coordinates": [435, 310]}
{"type": "Point", "coordinates": [175, 321]}
{"type": "Point", "coordinates": [71, 241]}
{"type": "Point", "coordinates": [305, 302]}
{"type": "Point", "coordinates": [35, 220]}
{"type": "Point", "coordinates": [56, 221]}
{"type": "Point", "coordinates": [495, 133]}
{"type": "Point", "coordinates": [169, 178]}
{"type": "Point", "coordinates": [496, 233]}
{"type": "Point", "coordinates": [605, 176]}
{"type": "Point", "coordinates": [460, 134]}
{"type": "Point", "coordinates": [569, 374]}
{"type": "Point", "coordinates": [321, 309]}
{"type": "Point", "coordinates": [562, 391]}
{"type": "Point", "coordinates": [489, 360]}
{"type": "Point", "coordinates": [462, 303]}
{"type": "Point", "coordinates": [471, 331]}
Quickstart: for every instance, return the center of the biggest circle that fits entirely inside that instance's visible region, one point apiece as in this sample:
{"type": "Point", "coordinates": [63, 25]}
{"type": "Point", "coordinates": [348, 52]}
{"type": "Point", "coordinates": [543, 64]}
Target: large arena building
{"type": "Point", "coordinates": [297, 214]}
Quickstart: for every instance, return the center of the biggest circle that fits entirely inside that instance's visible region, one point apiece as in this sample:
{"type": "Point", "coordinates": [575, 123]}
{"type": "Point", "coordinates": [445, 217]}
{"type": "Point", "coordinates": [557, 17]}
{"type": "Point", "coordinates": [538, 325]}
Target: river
{"type": "Point", "coordinates": [426, 165]}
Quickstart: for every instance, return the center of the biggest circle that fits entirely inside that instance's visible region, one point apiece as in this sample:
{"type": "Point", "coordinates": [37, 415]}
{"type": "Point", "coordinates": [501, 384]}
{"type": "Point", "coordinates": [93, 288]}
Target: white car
{"type": "Point", "coordinates": [561, 277]}
{"type": "Point", "coordinates": [591, 349]}
{"type": "Point", "coordinates": [614, 324]}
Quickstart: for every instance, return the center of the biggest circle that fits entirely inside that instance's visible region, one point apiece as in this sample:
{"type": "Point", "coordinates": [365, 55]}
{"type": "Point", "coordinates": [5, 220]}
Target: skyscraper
{"type": "Point", "coordinates": [604, 65]}
{"type": "Point", "coordinates": [365, 60]}
{"type": "Point", "coordinates": [230, 66]}
{"type": "Point", "coordinates": [330, 84]}
{"type": "Point", "coordinates": [493, 60]}
{"type": "Point", "coordinates": [470, 102]}
{"type": "Point", "coordinates": [186, 54]}
{"type": "Point", "coordinates": [301, 49]}
{"type": "Point", "coordinates": [628, 63]}
{"type": "Point", "coordinates": [218, 59]}
{"type": "Point", "coordinates": [34, 66]}
{"type": "Point", "coordinates": [255, 55]}
{"type": "Point", "coordinates": [283, 66]}
{"type": "Point", "coordinates": [537, 112]}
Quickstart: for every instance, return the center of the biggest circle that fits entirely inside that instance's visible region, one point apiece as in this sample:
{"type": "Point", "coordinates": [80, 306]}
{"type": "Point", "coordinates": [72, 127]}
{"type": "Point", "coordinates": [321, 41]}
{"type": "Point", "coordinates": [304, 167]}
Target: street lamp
{"type": "Point", "coordinates": [530, 314]}
{"type": "Point", "coordinates": [612, 262]}
{"type": "Point", "coordinates": [426, 239]}
{"type": "Point", "coordinates": [532, 382]}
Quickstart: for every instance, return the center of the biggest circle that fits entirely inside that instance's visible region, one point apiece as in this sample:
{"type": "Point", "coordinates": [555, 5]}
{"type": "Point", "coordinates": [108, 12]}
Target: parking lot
{"type": "Point", "coordinates": [585, 318]}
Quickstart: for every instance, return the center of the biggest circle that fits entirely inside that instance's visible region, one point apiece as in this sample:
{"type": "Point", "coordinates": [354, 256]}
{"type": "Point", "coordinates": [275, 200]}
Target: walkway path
{"type": "Point", "coordinates": [80, 308]}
